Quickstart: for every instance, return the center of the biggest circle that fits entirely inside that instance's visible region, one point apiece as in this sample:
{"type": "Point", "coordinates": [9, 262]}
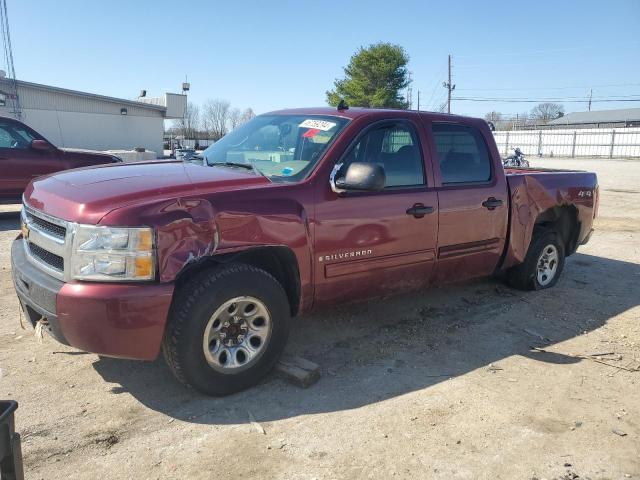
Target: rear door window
{"type": "Point", "coordinates": [462, 154]}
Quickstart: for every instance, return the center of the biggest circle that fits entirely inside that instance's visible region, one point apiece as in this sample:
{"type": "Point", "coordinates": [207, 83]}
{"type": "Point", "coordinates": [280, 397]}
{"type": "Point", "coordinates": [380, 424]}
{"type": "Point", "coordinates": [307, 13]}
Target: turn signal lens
{"type": "Point", "coordinates": [144, 267]}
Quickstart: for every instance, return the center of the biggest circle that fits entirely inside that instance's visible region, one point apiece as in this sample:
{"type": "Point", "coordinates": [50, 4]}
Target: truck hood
{"type": "Point", "coordinates": [86, 195]}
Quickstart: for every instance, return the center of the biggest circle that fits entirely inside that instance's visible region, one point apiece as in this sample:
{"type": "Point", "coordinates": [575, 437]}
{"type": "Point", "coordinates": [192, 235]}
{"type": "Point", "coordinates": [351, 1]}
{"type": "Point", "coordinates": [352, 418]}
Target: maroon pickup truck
{"type": "Point", "coordinates": [25, 154]}
{"type": "Point", "coordinates": [294, 210]}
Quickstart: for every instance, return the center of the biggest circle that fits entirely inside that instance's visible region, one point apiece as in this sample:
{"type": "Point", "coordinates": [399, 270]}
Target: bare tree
{"type": "Point", "coordinates": [189, 123]}
{"type": "Point", "coordinates": [493, 117]}
{"type": "Point", "coordinates": [547, 111]}
{"type": "Point", "coordinates": [205, 125]}
{"type": "Point", "coordinates": [235, 116]}
{"type": "Point", "coordinates": [217, 114]}
{"type": "Point", "coordinates": [246, 116]}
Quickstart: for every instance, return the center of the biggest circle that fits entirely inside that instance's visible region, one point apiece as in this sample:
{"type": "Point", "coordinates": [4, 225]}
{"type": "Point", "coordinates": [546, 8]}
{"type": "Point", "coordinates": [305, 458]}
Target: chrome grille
{"type": "Point", "coordinates": [48, 242]}
{"type": "Point", "coordinates": [52, 229]}
{"type": "Point", "coordinates": [51, 259]}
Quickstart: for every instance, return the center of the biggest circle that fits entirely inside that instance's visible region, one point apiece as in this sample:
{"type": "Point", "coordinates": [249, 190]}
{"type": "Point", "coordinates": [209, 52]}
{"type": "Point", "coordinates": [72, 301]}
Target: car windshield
{"type": "Point", "coordinates": [280, 147]}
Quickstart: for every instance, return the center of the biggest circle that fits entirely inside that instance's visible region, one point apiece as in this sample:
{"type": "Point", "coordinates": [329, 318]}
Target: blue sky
{"type": "Point", "coordinates": [270, 55]}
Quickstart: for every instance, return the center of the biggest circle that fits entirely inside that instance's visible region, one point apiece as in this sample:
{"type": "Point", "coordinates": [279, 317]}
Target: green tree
{"type": "Point", "coordinates": [375, 77]}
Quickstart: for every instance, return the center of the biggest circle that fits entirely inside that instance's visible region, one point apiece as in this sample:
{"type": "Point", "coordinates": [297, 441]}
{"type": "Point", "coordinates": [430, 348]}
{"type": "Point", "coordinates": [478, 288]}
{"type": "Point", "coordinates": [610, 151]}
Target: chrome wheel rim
{"type": "Point", "coordinates": [237, 334]}
{"type": "Point", "coordinates": [547, 265]}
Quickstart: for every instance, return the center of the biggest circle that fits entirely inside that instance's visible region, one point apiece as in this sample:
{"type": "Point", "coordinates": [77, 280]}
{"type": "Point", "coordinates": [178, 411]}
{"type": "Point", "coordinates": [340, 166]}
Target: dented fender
{"type": "Point", "coordinates": [189, 230]}
{"type": "Point", "coordinates": [533, 193]}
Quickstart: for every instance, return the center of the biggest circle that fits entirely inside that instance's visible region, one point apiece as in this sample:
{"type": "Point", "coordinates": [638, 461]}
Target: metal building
{"type": "Point", "coordinates": [625, 117]}
{"type": "Point", "coordinates": [73, 119]}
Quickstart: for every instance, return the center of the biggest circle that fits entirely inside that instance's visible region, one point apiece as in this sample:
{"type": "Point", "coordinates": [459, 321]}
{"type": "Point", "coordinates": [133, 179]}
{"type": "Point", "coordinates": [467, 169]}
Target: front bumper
{"type": "Point", "coordinates": [118, 320]}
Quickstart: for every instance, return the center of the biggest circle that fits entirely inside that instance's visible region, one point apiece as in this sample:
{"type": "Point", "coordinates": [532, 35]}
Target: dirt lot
{"type": "Point", "coordinates": [439, 384]}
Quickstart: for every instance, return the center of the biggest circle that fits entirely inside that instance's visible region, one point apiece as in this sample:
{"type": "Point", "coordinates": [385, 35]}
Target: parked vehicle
{"type": "Point", "coordinates": [294, 210]}
{"type": "Point", "coordinates": [25, 154]}
{"type": "Point", "coordinates": [516, 160]}
{"type": "Point", "coordinates": [184, 154]}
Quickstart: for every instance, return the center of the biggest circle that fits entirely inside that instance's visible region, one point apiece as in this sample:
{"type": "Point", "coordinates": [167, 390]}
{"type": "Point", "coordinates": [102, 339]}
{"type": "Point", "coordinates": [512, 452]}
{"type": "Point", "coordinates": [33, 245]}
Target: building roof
{"type": "Point", "coordinates": [601, 116]}
{"type": "Point", "coordinates": [93, 96]}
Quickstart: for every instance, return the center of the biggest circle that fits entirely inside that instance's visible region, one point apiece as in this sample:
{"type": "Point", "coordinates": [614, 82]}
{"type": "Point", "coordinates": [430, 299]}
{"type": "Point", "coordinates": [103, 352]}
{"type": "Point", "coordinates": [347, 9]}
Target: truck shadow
{"type": "Point", "coordinates": [9, 221]}
{"type": "Point", "coordinates": [389, 347]}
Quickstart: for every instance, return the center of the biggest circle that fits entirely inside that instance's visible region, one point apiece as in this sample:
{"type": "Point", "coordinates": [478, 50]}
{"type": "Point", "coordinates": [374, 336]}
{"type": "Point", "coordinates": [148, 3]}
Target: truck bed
{"type": "Point", "coordinates": [533, 191]}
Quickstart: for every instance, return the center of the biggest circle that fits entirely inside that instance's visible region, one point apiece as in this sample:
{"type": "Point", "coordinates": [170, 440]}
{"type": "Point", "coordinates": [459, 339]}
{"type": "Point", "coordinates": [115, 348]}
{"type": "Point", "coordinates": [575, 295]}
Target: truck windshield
{"type": "Point", "coordinates": [280, 147]}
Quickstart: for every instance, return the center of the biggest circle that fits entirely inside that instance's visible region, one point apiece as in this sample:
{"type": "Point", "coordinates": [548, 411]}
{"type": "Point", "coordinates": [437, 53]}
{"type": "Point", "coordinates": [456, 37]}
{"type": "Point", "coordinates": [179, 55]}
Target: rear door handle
{"type": "Point", "coordinates": [492, 203]}
{"type": "Point", "coordinates": [419, 210]}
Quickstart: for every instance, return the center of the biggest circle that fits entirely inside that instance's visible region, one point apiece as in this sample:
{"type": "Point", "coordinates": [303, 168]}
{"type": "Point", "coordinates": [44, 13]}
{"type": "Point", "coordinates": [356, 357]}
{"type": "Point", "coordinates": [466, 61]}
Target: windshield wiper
{"type": "Point", "coordinates": [248, 166]}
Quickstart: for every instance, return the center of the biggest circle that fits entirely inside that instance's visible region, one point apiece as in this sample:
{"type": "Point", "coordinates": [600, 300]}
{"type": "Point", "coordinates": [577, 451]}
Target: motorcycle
{"type": "Point", "coordinates": [515, 160]}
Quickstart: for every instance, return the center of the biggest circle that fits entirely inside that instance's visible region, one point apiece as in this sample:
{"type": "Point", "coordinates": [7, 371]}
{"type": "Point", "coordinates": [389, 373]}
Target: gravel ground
{"type": "Point", "coordinates": [438, 384]}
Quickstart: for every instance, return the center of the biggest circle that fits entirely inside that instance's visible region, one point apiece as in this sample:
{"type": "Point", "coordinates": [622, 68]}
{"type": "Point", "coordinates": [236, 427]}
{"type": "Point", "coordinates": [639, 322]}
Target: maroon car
{"type": "Point", "coordinates": [25, 154]}
{"type": "Point", "coordinates": [294, 210]}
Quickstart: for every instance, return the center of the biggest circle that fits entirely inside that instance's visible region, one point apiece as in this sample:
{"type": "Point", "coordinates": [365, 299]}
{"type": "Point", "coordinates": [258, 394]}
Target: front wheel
{"type": "Point", "coordinates": [542, 265]}
{"type": "Point", "coordinates": [227, 328]}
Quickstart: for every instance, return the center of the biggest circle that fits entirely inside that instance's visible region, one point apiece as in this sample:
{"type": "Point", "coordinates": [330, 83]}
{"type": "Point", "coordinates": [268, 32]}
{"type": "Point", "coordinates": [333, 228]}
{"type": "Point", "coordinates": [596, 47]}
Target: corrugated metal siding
{"type": "Point", "coordinates": [175, 104]}
{"type": "Point", "coordinates": [96, 131]}
{"type": "Point", "coordinates": [34, 98]}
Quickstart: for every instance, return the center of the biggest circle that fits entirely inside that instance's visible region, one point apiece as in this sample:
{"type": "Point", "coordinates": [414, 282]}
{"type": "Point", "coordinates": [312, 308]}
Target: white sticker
{"type": "Point", "coordinates": [318, 124]}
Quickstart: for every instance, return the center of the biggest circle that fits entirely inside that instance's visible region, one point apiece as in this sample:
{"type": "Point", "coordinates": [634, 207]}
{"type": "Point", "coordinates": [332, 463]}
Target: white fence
{"type": "Point", "coordinates": [592, 142]}
{"type": "Point", "coordinates": [192, 143]}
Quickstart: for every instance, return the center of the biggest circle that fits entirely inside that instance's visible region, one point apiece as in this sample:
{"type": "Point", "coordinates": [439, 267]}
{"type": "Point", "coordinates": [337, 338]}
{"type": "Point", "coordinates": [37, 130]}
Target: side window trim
{"type": "Point", "coordinates": [389, 122]}
{"type": "Point", "coordinates": [477, 134]}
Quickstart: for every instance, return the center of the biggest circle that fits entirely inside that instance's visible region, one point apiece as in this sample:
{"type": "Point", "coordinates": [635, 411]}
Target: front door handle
{"type": "Point", "coordinates": [492, 203]}
{"type": "Point", "coordinates": [419, 210]}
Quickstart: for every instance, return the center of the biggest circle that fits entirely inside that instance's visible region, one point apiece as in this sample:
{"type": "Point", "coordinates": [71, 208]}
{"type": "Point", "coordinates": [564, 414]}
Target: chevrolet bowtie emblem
{"type": "Point", "coordinates": [25, 230]}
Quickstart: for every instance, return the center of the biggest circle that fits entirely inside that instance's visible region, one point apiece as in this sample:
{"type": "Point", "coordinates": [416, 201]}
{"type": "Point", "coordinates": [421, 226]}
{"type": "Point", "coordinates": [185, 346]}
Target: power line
{"type": "Point", "coordinates": [438, 102]}
{"type": "Point", "coordinates": [8, 56]}
{"type": "Point", "coordinates": [561, 99]}
{"type": "Point", "coordinates": [552, 88]}
{"type": "Point", "coordinates": [437, 77]}
{"type": "Point", "coordinates": [522, 100]}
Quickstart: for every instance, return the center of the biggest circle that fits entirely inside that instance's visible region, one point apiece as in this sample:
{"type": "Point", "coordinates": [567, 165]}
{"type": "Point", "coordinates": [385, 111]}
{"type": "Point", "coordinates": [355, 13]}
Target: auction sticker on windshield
{"type": "Point", "coordinates": [318, 124]}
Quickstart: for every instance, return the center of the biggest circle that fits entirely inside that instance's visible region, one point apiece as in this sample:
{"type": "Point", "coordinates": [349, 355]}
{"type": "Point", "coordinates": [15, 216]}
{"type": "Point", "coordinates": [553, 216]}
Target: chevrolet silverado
{"type": "Point", "coordinates": [292, 211]}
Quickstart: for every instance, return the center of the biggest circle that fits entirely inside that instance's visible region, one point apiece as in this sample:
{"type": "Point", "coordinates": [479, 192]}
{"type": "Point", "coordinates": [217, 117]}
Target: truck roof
{"type": "Point", "coordinates": [356, 112]}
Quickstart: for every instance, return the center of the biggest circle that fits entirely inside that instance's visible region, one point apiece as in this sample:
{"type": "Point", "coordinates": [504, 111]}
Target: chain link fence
{"type": "Point", "coordinates": [594, 142]}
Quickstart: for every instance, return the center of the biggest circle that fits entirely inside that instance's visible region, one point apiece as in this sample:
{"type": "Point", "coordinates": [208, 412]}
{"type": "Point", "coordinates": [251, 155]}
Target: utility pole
{"type": "Point", "coordinates": [418, 100]}
{"type": "Point", "coordinates": [409, 91]}
{"type": "Point", "coordinates": [590, 95]}
{"type": "Point", "coordinates": [450, 88]}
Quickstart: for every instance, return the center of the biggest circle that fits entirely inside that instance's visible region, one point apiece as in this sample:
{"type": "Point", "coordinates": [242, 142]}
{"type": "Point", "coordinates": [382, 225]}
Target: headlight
{"type": "Point", "coordinates": [113, 254]}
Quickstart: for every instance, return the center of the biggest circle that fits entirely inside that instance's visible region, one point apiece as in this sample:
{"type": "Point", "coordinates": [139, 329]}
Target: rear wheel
{"type": "Point", "coordinates": [542, 265]}
{"type": "Point", "coordinates": [227, 328]}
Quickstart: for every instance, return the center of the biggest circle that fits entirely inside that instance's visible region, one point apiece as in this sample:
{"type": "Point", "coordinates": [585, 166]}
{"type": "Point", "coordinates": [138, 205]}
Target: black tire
{"type": "Point", "coordinates": [193, 306]}
{"type": "Point", "coordinates": [524, 276]}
